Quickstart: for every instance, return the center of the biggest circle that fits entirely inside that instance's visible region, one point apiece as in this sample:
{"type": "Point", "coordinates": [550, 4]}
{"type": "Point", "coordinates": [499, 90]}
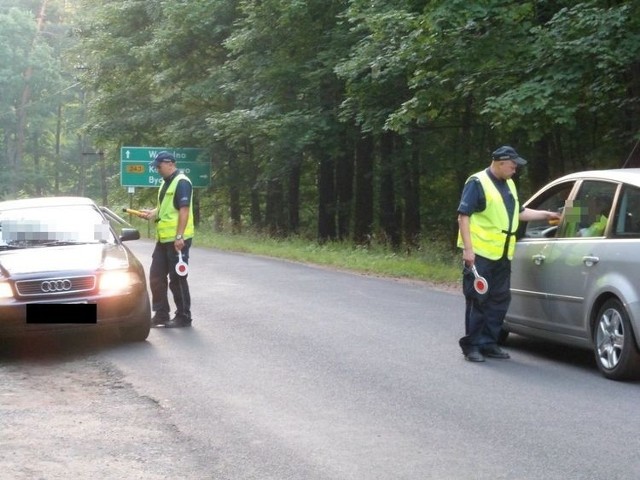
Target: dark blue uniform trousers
{"type": "Point", "coordinates": [485, 313]}
{"type": "Point", "coordinates": [163, 265]}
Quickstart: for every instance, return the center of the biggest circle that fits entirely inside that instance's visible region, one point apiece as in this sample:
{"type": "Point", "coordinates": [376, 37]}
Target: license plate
{"type": "Point", "coordinates": [59, 313]}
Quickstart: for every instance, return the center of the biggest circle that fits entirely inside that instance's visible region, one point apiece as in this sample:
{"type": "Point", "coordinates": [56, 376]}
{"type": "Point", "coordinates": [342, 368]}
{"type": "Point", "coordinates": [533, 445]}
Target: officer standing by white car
{"type": "Point", "coordinates": [174, 233]}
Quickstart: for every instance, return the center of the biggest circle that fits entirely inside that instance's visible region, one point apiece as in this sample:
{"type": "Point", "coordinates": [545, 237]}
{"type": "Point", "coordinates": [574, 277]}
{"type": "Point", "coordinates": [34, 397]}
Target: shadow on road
{"type": "Point", "coordinates": [59, 346]}
{"type": "Point", "coordinates": [552, 351]}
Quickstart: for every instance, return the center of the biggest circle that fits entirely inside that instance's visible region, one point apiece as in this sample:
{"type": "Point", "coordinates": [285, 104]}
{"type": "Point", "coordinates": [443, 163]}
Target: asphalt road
{"type": "Point", "coordinates": [297, 372]}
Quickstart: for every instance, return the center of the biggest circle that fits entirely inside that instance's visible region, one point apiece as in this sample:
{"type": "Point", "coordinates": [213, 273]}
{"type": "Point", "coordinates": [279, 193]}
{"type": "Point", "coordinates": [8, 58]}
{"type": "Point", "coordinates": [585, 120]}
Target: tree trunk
{"type": "Point", "coordinates": [387, 206]}
{"type": "Point", "coordinates": [293, 194]}
{"type": "Point", "coordinates": [344, 187]}
{"type": "Point", "coordinates": [539, 169]}
{"type": "Point", "coordinates": [256, 213]}
{"type": "Point", "coordinates": [103, 179]}
{"type": "Point", "coordinates": [273, 209]}
{"type": "Point", "coordinates": [24, 101]}
{"type": "Point", "coordinates": [56, 179]}
{"type": "Point", "coordinates": [235, 209]}
{"type": "Point", "coordinates": [411, 177]}
{"type": "Point", "coordinates": [196, 207]}
{"type": "Point", "coordinates": [82, 171]}
{"type": "Point", "coordinates": [326, 198]}
{"type": "Point", "coordinates": [363, 221]}
{"type": "Point", "coordinates": [631, 115]}
{"type": "Point", "coordinates": [37, 168]}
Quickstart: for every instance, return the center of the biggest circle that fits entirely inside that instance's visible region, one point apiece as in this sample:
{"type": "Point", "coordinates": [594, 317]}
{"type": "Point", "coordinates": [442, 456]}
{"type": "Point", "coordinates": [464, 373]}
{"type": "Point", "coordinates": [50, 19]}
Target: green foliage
{"type": "Point", "coordinates": [34, 82]}
{"type": "Point", "coordinates": [376, 69]}
{"type": "Point", "coordinates": [292, 97]}
{"type": "Point", "coordinates": [578, 70]}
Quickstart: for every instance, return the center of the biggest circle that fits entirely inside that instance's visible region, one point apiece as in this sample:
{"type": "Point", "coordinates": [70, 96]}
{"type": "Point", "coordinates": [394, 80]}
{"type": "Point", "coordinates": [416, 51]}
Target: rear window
{"type": "Point", "coordinates": [627, 215]}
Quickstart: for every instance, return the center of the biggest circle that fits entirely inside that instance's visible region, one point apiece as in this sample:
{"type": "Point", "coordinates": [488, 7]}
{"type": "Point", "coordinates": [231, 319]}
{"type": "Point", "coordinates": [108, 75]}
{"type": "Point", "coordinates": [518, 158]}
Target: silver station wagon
{"type": "Point", "coordinates": [578, 282]}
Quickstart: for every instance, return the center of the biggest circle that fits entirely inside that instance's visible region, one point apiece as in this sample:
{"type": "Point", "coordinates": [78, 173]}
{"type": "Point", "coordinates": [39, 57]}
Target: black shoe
{"type": "Point", "coordinates": [474, 355]}
{"type": "Point", "coordinates": [159, 319]}
{"type": "Point", "coordinates": [178, 321]}
{"type": "Point", "coordinates": [495, 352]}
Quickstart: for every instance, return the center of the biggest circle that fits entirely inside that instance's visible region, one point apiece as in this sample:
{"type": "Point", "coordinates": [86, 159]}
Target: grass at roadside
{"type": "Point", "coordinates": [431, 263]}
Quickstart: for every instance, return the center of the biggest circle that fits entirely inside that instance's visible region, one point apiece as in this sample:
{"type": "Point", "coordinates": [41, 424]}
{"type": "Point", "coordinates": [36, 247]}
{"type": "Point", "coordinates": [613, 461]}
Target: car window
{"type": "Point", "coordinates": [55, 224]}
{"type": "Point", "coordinates": [587, 215]}
{"type": "Point", "coordinates": [117, 223]}
{"type": "Point", "coordinates": [553, 200]}
{"type": "Point", "coordinates": [627, 214]}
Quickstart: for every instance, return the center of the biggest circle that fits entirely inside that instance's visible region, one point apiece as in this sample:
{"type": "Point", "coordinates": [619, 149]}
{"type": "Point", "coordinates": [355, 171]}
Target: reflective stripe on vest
{"type": "Point", "coordinates": [168, 215]}
{"type": "Point", "coordinates": [490, 228]}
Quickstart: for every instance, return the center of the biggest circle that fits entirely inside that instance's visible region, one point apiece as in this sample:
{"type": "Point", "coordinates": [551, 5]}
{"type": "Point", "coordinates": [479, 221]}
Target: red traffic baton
{"type": "Point", "coordinates": [181, 267]}
{"type": "Point", "coordinates": [480, 284]}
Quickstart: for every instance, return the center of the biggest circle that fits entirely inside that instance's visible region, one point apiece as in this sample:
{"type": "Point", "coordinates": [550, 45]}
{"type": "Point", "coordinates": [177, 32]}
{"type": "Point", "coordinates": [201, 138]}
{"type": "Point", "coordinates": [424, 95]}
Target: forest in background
{"type": "Point", "coordinates": [355, 120]}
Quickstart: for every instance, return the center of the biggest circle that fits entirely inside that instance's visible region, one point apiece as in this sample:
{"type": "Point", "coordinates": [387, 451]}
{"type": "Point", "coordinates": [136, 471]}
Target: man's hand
{"type": "Point", "coordinates": [553, 218]}
{"type": "Point", "coordinates": [148, 214]}
{"type": "Point", "coordinates": [468, 257]}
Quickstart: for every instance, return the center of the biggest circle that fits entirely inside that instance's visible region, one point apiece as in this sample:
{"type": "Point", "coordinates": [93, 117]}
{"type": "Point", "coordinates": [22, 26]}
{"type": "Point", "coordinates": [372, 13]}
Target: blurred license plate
{"type": "Point", "coordinates": [53, 313]}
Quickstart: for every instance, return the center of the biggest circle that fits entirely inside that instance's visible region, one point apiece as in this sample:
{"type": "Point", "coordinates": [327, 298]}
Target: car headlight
{"type": "Point", "coordinates": [118, 281]}
{"type": "Point", "coordinates": [5, 290]}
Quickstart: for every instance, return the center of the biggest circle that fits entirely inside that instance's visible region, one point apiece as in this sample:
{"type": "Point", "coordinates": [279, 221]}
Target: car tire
{"type": "Point", "coordinates": [502, 336]}
{"type": "Point", "coordinates": [140, 331]}
{"type": "Point", "coordinates": [614, 342]}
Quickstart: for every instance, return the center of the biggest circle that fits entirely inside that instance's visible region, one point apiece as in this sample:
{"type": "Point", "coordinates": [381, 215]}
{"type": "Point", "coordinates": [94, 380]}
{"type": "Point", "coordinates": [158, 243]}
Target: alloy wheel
{"type": "Point", "coordinates": [610, 338]}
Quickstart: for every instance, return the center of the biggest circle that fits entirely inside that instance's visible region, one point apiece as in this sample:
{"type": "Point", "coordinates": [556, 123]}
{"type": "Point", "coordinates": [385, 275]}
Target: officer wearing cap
{"type": "Point", "coordinates": [488, 217]}
{"type": "Point", "coordinates": [174, 232]}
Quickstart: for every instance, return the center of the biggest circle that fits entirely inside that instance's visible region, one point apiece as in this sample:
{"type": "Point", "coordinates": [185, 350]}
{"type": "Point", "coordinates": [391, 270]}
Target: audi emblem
{"type": "Point", "coordinates": [52, 286]}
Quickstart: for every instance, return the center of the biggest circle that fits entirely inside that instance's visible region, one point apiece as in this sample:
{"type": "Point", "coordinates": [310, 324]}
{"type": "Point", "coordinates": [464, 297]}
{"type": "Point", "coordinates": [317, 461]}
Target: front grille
{"type": "Point", "coordinates": [55, 286]}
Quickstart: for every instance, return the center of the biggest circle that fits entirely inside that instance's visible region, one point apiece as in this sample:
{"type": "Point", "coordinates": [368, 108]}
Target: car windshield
{"type": "Point", "coordinates": [54, 225]}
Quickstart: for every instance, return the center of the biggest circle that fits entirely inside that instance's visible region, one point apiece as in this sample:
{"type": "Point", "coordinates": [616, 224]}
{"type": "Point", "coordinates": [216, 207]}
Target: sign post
{"type": "Point", "coordinates": [136, 172]}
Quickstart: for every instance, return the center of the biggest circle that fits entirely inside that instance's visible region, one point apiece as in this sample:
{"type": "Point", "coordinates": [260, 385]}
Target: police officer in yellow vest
{"type": "Point", "coordinates": [174, 232]}
{"type": "Point", "coordinates": [488, 217]}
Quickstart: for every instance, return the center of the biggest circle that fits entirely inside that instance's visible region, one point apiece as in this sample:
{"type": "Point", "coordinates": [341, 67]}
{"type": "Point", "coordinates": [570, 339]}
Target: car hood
{"type": "Point", "coordinates": [73, 257]}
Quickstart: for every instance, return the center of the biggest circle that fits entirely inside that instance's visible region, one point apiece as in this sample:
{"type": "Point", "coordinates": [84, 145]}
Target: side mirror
{"type": "Point", "coordinates": [129, 234]}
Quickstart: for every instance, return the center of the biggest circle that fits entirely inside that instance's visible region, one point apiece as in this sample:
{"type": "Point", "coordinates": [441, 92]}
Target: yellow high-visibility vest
{"type": "Point", "coordinates": [168, 215]}
{"type": "Point", "coordinates": [490, 228]}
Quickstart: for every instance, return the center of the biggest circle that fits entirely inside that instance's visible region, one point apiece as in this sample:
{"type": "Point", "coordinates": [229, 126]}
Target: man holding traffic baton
{"type": "Point", "coordinates": [488, 217]}
{"type": "Point", "coordinates": [174, 232]}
